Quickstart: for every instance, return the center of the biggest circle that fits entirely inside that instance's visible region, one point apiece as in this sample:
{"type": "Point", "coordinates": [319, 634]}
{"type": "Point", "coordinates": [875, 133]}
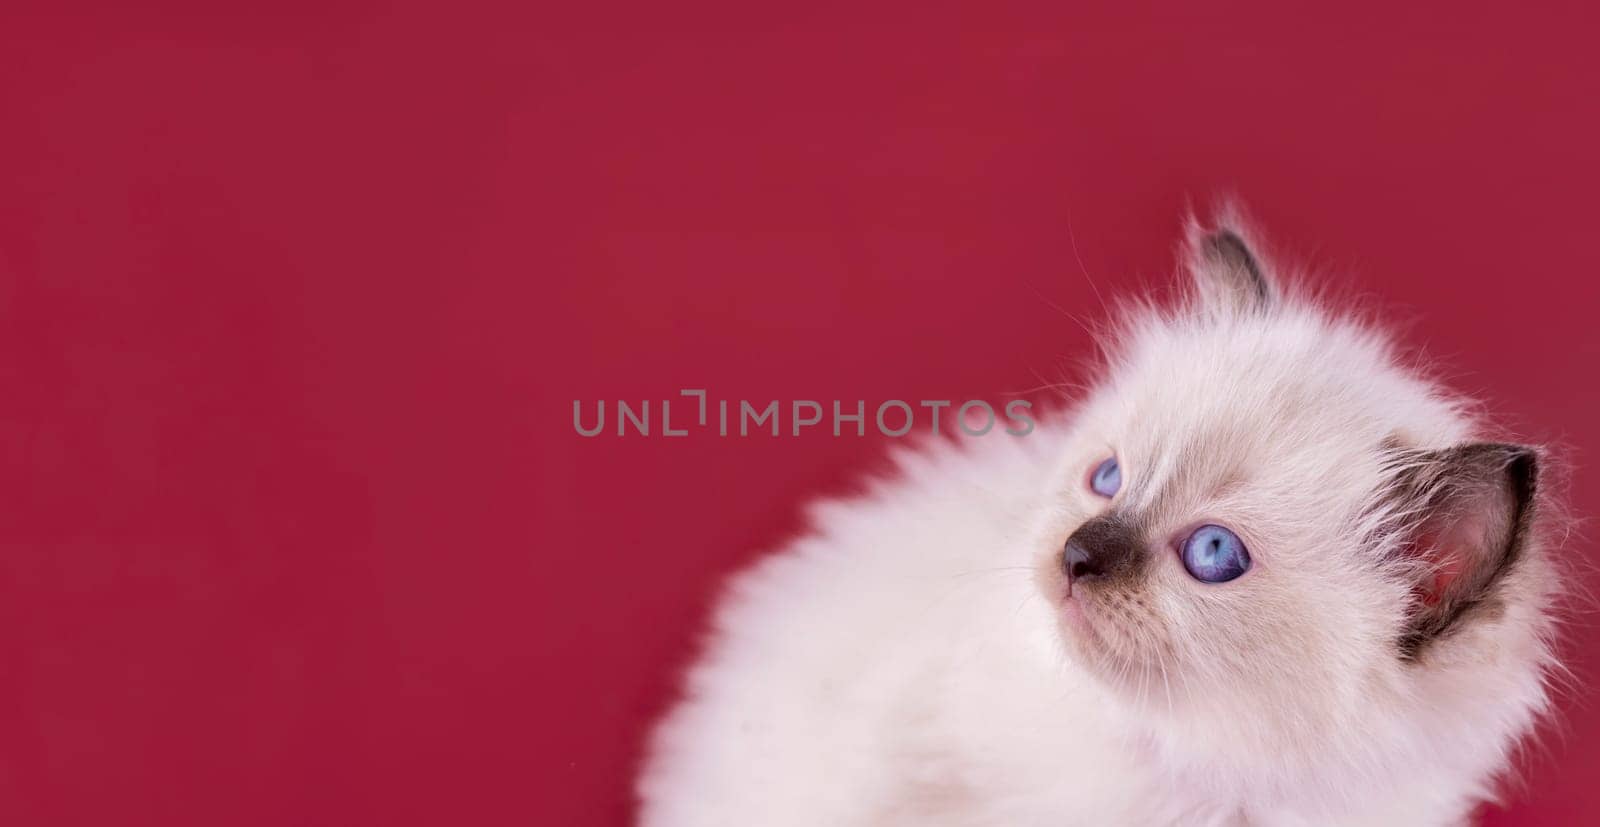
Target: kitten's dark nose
{"type": "Point", "coordinates": [1101, 548]}
{"type": "Point", "coordinates": [1079, 563]}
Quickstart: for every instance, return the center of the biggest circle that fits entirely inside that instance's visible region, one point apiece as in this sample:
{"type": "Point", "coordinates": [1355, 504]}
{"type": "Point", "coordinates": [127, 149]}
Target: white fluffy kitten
{"type": "Point", "coordinates": [1263, 574]}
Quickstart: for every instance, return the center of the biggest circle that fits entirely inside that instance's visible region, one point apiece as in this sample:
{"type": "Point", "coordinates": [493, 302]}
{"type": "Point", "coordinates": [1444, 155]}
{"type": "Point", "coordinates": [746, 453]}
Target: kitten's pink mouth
{"type": "Point", "coordinates": [1074, 613]}
{"type": "Point", "coordinates": [1083, 634]}
{"type": "Point", "coordinates": [1074, 609]}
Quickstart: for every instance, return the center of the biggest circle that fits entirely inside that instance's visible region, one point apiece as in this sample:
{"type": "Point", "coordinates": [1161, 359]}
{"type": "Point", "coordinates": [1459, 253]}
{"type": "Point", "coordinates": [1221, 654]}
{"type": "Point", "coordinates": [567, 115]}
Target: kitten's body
{"type": "Point", "coordinates": [913, 661]}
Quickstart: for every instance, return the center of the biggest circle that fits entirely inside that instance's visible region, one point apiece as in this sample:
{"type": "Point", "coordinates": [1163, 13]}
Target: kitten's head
{"type": "Point", "coordinates": [1290, 554]}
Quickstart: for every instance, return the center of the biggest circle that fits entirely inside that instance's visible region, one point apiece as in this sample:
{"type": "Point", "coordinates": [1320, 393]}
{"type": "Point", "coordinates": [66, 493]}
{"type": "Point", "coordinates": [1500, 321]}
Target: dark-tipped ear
{"type": "Point", "coordinates": [1227, 272]}
{"type": "Point", "coordinates": [1466, 511]}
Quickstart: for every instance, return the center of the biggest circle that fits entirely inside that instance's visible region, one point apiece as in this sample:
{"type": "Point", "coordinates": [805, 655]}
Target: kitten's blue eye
{"type": "Point", "coordinates": [1213, 554]}
{"type": "Point", "coordinates": [1107, 478]}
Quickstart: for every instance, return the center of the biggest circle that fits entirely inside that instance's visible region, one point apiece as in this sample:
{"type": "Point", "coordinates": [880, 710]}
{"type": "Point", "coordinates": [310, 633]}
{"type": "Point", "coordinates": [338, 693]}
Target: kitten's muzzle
{"type": "Point", "coordinates": [1102, 549]}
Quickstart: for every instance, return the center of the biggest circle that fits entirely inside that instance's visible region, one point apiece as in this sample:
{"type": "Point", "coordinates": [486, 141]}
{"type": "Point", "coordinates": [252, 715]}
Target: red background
{"type": "Point", "coordinates": [294, 302]}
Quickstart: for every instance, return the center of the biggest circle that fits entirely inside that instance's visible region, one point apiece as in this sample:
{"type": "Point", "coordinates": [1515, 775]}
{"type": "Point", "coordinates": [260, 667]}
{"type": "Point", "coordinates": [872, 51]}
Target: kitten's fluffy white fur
{"type": "Point", "coordinates": [914, 659]}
